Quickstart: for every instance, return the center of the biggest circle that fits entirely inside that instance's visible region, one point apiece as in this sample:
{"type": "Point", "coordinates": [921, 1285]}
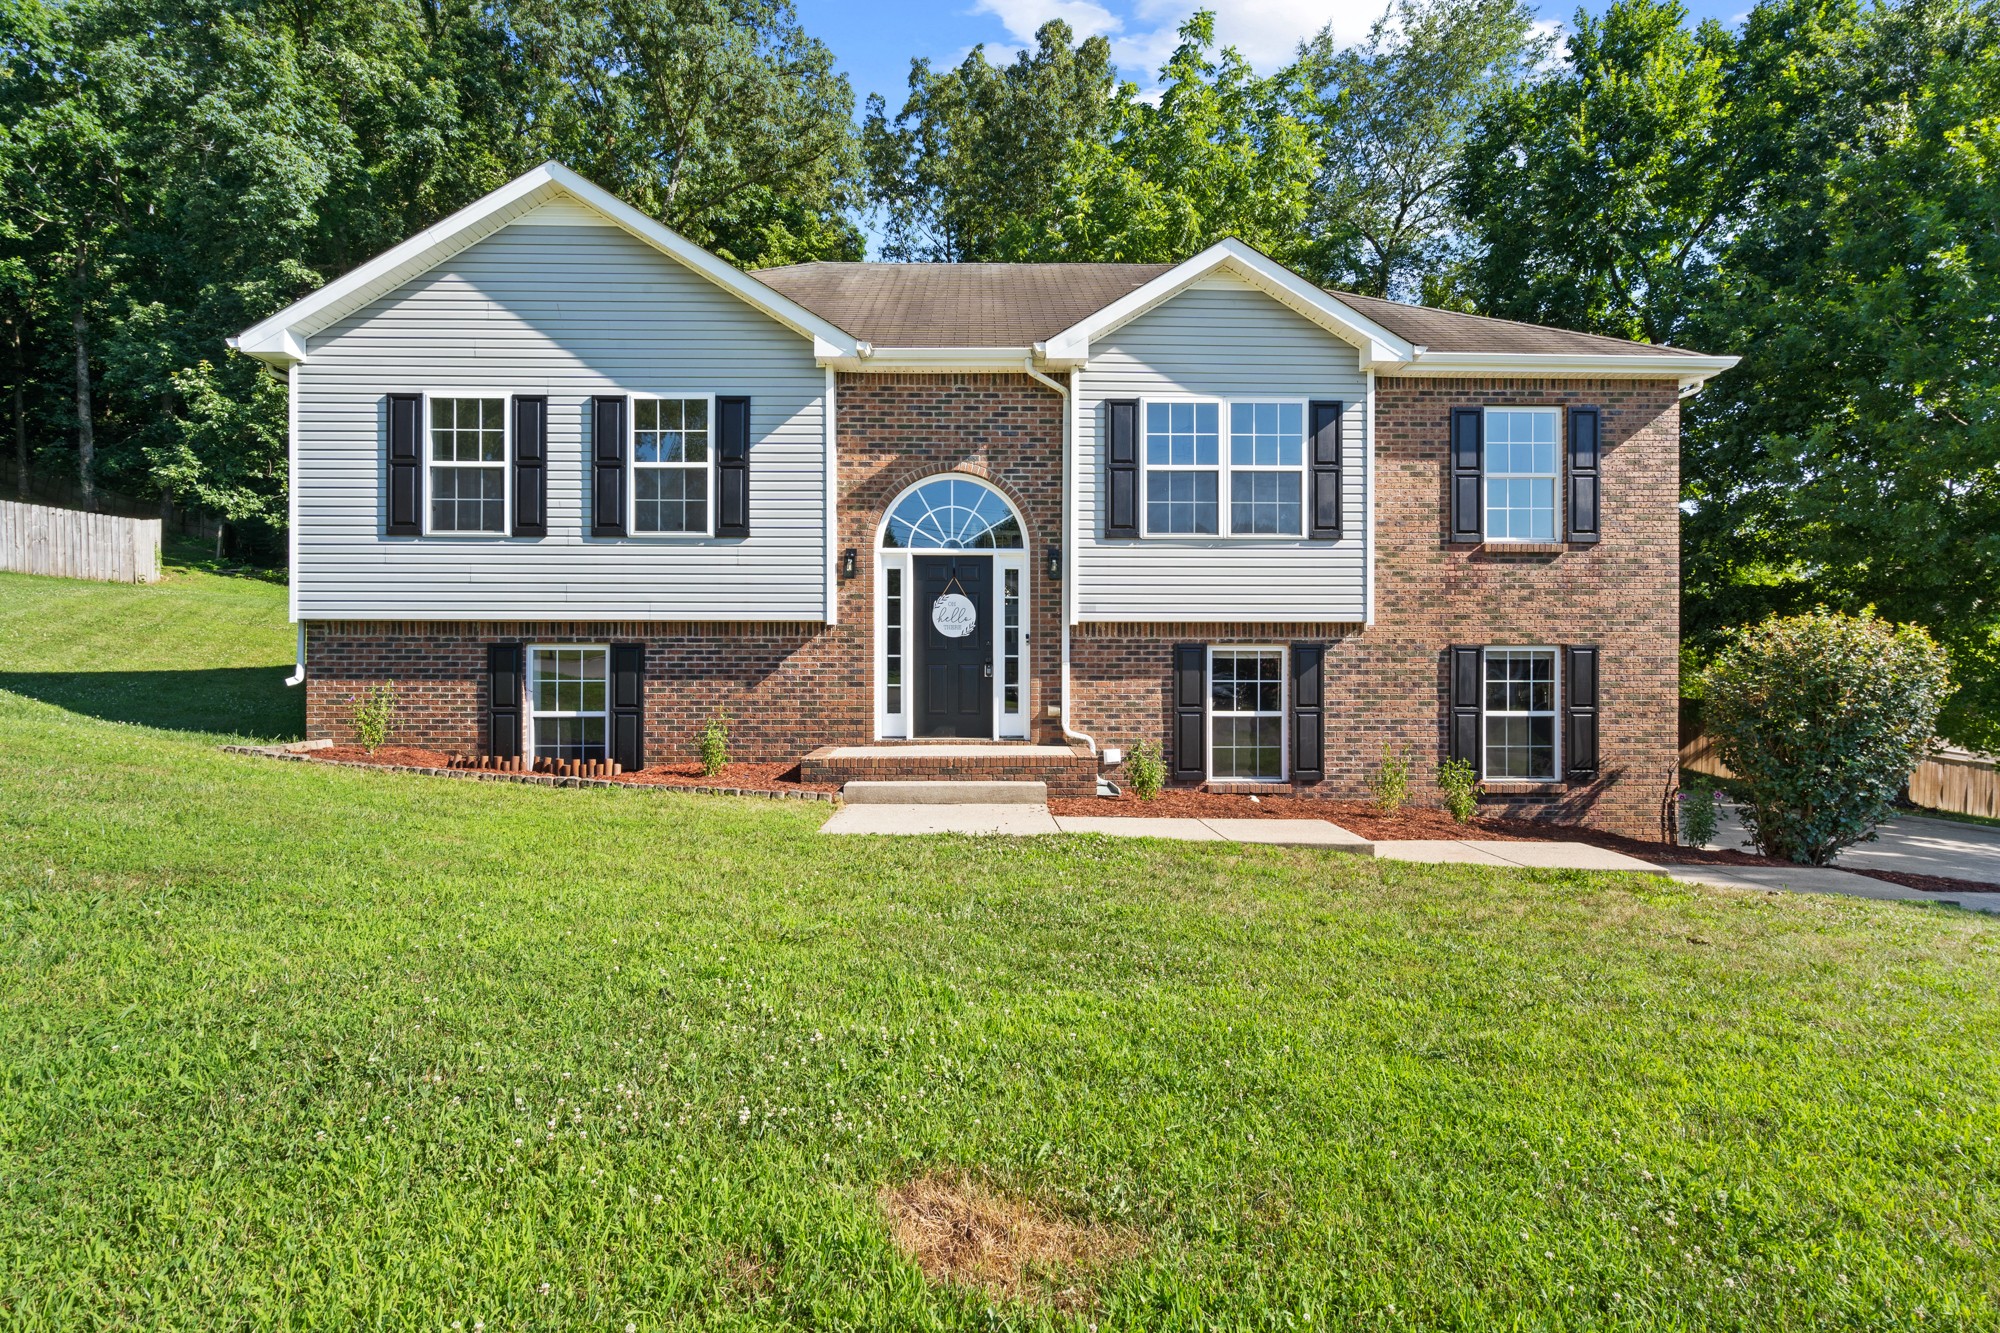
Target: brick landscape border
{"type": "Point", "coordinates": [525, 779]}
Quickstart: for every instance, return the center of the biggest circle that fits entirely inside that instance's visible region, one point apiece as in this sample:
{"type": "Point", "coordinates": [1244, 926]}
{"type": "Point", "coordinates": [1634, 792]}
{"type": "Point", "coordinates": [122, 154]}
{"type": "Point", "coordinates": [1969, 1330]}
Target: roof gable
{"type": "Point", "coordinates": [280, 339]}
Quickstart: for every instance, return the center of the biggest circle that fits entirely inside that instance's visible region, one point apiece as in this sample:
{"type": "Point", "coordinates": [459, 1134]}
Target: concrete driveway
{"type": "Point", "coordinates": [1909, 843]}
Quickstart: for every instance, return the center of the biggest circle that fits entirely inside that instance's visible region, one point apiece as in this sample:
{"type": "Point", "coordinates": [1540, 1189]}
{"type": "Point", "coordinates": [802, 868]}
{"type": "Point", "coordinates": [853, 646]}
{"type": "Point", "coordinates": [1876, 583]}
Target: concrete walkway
{"type": "Point", "coordinates": [1908, 843]}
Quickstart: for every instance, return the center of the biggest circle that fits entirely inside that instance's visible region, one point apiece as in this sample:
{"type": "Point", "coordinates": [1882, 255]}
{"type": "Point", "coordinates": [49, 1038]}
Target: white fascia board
{"type": "Point", "coordinates": [1569, 365]}
{"type": "Point", "coordinates": [1378, 346]}
{"type": "Point", "coordinates": [279, 339]}
{"type": "Point", "coordinates": [882, 360]}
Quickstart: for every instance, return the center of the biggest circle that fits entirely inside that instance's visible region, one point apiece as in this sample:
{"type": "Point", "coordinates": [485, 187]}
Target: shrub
{"type": "Point", "coordinates": [1391, 780]}
{"type": "Point", "coordinates": [375, 715]}
{"type": "Point", "coordinates": [1822, 717]}
{"type": "Point", "coordinates": [1459, 781]}
{"type": "Point", "coordinates": [715, 743]}
{"type": "Point", "coordinates": [1696, 815]}
{"type": "Point", "coordinates": [1147, 771]}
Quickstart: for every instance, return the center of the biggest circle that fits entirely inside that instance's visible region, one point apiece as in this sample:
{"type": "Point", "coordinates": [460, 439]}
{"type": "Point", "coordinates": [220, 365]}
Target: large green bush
{"type": "Point", "coordinates": [1822, 717]}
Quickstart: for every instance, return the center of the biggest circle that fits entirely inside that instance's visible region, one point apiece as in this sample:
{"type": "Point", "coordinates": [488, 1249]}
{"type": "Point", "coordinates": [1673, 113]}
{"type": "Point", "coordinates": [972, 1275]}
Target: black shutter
{"type": "Point", "coordinates": [1580, 713]}
{"type": "Point", "coordinates": [1190, 712]}
{"type": "Point", "coordinates": [1121, 468]}
{"type": "Point", "coordinates": [531, 467]}
{"type": "Point", "coordinates": [1323, 495]}
{"type": "Point", "coordinates": [628, 705]}
{"type": "Point", "coordinates": [607, 467]}
{"type": "Point", "coordinates": [732, 467]}
{"type": "Point", "coordinates": [406, 465]}
{"type": "Point", "coordinates": [503, 699]}
{"type": "Point", "coordinates": [1585, 491]}
{"type": "Point", "coordinates": [1468, 437]}
{"type": "Point", "coordinates": [1308, 713]}
{"type": "Point", "coordinates": [1465, 691]}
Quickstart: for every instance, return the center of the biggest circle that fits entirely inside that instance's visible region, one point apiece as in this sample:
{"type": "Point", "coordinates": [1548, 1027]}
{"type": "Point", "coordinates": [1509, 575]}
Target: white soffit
{"type": "Point", "coordinates": [551, 194]}
{"type": "Point", "coordinates": [1379, 348]}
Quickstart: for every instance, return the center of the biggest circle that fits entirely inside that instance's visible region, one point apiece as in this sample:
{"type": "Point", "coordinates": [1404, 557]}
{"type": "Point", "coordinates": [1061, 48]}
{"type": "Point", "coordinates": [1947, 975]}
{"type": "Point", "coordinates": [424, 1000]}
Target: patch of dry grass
{"type": "Point", "coordinates": [959, 1230]}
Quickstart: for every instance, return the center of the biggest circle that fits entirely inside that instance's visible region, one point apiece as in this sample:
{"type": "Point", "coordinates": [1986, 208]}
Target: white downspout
{"type": "Point", "coordinates": [298, 677]}
{"type": "Point", "coordinates": [1068, 554]}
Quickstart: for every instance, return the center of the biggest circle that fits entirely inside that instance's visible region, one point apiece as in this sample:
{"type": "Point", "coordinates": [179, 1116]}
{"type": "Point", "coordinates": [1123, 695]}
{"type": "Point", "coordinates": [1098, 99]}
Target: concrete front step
{"type": "Point", "coordinates": [1062, 770]}
{"type": "Point", "coordinates": [960, 792]}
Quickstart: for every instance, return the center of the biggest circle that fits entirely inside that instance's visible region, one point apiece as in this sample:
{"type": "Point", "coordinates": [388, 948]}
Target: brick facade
{"type": "Point", "coordinates": [1386, 684]}
{"type": "Point", "coordinates": [792, 688]}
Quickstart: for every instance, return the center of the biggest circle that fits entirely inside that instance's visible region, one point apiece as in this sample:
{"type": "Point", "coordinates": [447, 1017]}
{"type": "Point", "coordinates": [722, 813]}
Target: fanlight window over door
{"type": "Point", "coordinates": [952, 514]}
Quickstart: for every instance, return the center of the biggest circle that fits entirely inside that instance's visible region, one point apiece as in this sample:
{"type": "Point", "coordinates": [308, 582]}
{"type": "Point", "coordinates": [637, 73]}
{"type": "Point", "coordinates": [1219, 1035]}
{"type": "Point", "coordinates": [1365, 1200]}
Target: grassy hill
{"type": "Point", "coordinates": [303, 1047]}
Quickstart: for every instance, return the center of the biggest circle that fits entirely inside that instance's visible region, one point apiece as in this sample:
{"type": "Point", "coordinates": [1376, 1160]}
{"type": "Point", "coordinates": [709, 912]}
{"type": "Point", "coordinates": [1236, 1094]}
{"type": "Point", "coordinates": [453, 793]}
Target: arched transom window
{"type": "Point", "coordinates": [952, 514]}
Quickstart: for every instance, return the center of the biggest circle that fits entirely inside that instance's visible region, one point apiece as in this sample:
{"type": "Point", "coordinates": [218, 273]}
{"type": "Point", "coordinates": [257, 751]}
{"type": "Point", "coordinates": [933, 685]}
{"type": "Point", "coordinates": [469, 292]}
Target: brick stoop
{"type": "Point", "coordinates": [1069, 770]}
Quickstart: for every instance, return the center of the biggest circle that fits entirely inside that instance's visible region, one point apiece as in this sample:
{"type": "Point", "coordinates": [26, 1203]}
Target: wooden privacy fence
{"type": "Point", "coordinates": [1959, 781]}
{"type": "Point", "coordinates": [70, 543]}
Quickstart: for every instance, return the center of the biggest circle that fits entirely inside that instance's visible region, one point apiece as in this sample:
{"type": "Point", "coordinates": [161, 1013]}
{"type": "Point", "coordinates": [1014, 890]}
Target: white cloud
{"type": "Point", "coordinates": [1022, 17]}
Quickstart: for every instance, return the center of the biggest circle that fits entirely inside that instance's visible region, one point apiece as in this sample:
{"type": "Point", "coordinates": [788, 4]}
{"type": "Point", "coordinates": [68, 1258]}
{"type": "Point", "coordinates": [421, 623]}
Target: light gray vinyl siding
{"type": "Point", "coordinates": [1225, 339]}
{"type": "Point", "coordinates": [570, 311]}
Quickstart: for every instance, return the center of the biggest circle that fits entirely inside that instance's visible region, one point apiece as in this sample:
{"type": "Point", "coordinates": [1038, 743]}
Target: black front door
{"type": "Point", "coordinates": [954, 636]}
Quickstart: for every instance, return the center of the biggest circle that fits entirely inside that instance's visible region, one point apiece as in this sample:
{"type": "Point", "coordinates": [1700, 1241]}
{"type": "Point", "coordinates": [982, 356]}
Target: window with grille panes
{"type": "Point", "coordinates": [1183, 468]}
{"type": "Point", "coordinates": [568, 700]}
{"type": "Point", "coordinates": [1520, 714]}
{"type": "Point", "coordinates": [1246, 714]}
{"type": "Point", "coordinates": [1521, 472]}
{"type": "Point", "coordinates": [468, 465]}
{"type": "Point", "coordinates": [670, 465]}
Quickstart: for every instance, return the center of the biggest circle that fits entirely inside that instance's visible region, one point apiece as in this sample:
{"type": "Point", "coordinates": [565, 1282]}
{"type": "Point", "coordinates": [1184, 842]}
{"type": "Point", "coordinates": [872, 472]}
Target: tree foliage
{"type": "Point", "coordinates": [1822, 717]}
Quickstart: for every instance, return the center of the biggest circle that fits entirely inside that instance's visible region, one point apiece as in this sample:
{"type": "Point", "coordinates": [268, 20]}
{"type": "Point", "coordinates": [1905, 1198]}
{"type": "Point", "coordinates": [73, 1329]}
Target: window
{"type": "Point", "coordinates": [892, 646]}
{"type": "Point", "coordinates": [1188, 471]}
{"type": "Point", "coordinates": [567, 693]}
{"type": "Point", "coordinates": [1520, 467]}
{"type": "Point", "coordinates": [1246, 714]}
{"type": "Point", "coordinates": [1182, 458]}
{"type": "Point", "coordinates": [1520, 714]}
{"type": "Point", "coordinates": [1266, 452]}
{"type": "Point", "coordinates": [468, 465]}
{"type": "Point", "coordinates": [1010, 645]}
{"type": "Point", "coordinates": [952, 514]}
{"type": "Point", "coordinates": [670, 456]}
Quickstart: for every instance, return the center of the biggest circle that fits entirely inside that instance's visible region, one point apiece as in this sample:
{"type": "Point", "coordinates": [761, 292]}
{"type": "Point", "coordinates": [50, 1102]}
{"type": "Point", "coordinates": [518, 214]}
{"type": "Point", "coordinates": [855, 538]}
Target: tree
{"type": "Point", "coordinates": [968, 169]}
{"type": "Point", "coordinates": [1595, 194]}
{"type": "Point", "coordinates": [1822, 717]}
{"type": "Point", "coordinates": [1389, 119]}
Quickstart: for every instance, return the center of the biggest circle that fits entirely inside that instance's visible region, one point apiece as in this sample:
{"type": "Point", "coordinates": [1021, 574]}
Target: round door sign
{"type": "Point", "coordinates": [954, 615]}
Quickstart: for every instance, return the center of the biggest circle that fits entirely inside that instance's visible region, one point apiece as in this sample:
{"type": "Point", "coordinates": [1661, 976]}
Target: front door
{"type": "Point", "coordinates": [954, 664]}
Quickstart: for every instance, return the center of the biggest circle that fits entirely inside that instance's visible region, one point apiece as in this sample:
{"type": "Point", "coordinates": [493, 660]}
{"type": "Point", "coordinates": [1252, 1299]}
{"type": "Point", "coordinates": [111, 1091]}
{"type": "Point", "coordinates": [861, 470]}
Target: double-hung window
{"type": "Point", "coordinates": [1522, 472]}
{"type": "Point", "coordinates": [1191, 468]}
{"type": "Point", "coordinates": [1246, 714]}
{"type": "Point", "coordinates": [568, 696]}
{"type": "Point", "coordinates": [1520, 714]}
{"type": "Point", "coordinates": [468, 464]}
{"type": "Point", "coordinates": [671, 457]}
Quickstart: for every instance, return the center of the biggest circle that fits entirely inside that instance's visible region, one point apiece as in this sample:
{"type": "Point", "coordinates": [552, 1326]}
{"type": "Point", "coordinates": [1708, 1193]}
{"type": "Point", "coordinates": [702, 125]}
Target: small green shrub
{"type": "Point", "coordinates": [1696, 815]}
{"type": "Point", "coordinates": [1391, 780]}
{"type": "Point", "coordinates": [375, 715]}
{"type": "Point", "coordinates": [1146, 770]}
{"type": "Point", "coordinates": [1822, 717]}
{"type": "Point", "coordinates": [715, 743]}
{"type": "Point", "coordinates": [1459, 781]}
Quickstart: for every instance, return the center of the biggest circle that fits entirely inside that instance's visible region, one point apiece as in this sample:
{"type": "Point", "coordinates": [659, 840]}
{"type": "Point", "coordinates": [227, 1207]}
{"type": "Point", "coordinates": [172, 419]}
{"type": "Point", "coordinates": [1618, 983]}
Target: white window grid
{"type": "Point", "coordinates": [569, 711]}
{"type": "Point", "coordinates": [1519, 707]}
{"type": "Point", "coordinates": [466, 444]}
{"type": "Point", "coordinates": [1522, 472]}
{"type": "Point", "coordinates": [1252, 718]}
{"type": "Point", "coordinates": [1260, 441]}
{"type": "Point", "coordinates": [673, 465]}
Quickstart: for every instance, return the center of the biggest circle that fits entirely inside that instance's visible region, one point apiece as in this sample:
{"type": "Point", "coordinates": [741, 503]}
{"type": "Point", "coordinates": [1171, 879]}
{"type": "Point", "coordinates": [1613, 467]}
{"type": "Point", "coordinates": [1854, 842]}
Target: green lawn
{"type": "Point", "coordinates": [284, 1046]}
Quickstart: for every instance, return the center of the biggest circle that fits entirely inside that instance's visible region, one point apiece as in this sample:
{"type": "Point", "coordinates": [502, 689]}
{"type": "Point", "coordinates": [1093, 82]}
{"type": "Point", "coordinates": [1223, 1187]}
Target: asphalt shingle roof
{"type": "Point", "coordinates": [1015, 305]}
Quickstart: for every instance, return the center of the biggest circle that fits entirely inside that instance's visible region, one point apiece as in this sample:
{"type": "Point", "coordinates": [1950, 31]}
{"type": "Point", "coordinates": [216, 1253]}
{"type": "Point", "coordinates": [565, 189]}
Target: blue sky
{"type": "Point", "coordinates": [875, 41]}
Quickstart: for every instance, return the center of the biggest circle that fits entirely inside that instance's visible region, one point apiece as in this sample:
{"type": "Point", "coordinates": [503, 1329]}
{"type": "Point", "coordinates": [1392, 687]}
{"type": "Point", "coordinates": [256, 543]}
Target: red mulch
{"type": "Point", "coordinates": [1421, 821]}
{"type": "Point", "coordinates": [741, 777]}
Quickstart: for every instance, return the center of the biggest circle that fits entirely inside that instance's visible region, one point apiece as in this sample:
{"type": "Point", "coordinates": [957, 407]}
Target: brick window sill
{"type": "Point", "coordinates": [1520, 548]}
{"type": "Point", "coordinates": [1503, 790]}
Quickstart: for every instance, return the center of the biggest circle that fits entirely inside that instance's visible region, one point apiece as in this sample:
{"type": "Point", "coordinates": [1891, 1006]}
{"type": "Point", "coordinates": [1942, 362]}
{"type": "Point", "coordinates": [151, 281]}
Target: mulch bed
{"type": "Point", "coordinates": [734, 777]}
{"type": "Point", "coordinates": [1421, 822]}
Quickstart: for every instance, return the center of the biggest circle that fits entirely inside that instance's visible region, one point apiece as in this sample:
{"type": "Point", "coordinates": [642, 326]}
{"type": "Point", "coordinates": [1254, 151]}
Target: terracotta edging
{"type": "Point", "coordinates": [529, 779]}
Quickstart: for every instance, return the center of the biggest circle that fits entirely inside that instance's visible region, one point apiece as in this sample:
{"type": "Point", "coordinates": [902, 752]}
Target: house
{"type": "Point", "coordinates": [573, 483]}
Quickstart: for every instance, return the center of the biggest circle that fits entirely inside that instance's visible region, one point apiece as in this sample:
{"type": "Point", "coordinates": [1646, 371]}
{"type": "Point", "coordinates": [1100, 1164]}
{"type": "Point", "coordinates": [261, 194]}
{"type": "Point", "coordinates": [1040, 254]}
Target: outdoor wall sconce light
{"type": "Point", "coordinates": [850, 564]}
{"type": "Point", "coordinates": [1055, 564]}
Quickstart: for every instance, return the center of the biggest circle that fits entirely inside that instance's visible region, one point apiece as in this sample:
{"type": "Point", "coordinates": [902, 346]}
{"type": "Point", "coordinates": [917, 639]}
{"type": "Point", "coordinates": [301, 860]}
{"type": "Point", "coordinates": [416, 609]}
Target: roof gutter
{"type": "Point", "coordinates": [1069, 570]}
